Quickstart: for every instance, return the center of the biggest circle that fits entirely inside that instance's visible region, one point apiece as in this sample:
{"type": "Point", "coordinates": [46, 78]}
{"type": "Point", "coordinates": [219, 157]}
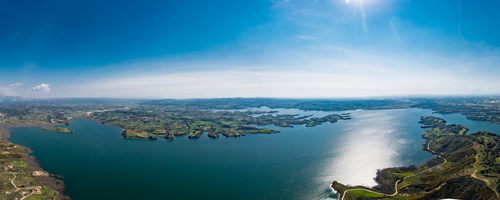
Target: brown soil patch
{"type": "Point", "coordinates": [33, 164]}
{"type": "Point", "coordinates": [5, 131]}
{"type": "Point", "coordinates": [52, 181]}
{"type": "Point", "coordinates": [474, 174]}
{"type": "Point", "coordinates": [41, 125]}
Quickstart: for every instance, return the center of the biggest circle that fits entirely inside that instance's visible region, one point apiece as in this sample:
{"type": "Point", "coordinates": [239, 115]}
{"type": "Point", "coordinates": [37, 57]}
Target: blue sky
{"type": "Point", "coordinates": [258, 48]}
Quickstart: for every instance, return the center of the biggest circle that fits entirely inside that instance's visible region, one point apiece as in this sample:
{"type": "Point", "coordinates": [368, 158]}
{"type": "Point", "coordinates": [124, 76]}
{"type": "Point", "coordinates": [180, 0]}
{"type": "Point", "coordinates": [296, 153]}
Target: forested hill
{"type": "Point", "coordinates": [302, 104]}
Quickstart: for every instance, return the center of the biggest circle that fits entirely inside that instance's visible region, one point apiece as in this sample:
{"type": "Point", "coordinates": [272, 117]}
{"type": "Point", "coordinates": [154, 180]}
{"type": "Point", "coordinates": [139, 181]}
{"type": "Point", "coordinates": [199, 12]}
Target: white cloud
{"type": "Point", "coordinates": [10, 90]}
{"type": "Point", "coordinates": [40, 88]}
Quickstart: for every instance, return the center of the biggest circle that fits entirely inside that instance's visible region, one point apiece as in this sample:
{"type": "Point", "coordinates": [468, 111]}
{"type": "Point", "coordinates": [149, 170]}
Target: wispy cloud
{"type": "Point", "coordinates": [394, 29]}
{"type": "Point", "coordinates": [305, 37]}
{"type": "Point", "coordinates": [279, 4]}
{"type": "Point", "coordinates": [10, 90]}
{"type": "Point", "coordinates": [312, 2]}
{"type": "Point", "coordinates": [356, 80]}
{"type": "Point", "coordinates": [317, 70]}
{"type": "Point", "coordinates": [15, 85]}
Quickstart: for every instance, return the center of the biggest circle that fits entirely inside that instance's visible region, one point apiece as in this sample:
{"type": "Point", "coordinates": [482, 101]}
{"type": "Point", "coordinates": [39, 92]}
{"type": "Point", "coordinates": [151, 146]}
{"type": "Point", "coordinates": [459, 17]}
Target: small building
{"type": "Point", "coordinates": [37, 190]}
{"type": "Point", "coordinates": [37, 173]}
{"type": "Point", "coordinates": [9, 166]}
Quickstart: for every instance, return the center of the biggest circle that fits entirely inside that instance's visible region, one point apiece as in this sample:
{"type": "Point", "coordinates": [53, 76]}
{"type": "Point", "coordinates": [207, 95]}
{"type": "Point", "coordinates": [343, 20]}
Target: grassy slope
{"type": "Point", "coordinates": [449, 180]}
{"type": "Point", "coordinates": [366, 193]}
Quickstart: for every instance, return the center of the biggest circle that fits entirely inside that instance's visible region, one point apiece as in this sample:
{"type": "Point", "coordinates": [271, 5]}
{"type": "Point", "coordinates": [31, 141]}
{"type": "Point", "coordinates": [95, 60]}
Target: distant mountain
{"type": "Point", "coordinates": [10, 99]}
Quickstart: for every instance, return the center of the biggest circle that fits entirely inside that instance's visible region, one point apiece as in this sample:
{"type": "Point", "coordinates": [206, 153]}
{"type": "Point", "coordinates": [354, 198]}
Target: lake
{"type": "Point", "coordinates": [297, 163]}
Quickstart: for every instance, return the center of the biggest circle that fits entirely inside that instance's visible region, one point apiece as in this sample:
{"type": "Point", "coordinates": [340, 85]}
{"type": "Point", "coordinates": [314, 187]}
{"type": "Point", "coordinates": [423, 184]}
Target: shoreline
{"type": "Point", "coordinates": [380, 188]}
{"type": "Point", "coordinates": [53, 181]}
{"type": "Point", "coordinates": [454, 145]}
{"type": "Point", "coordinates": [9, 126]}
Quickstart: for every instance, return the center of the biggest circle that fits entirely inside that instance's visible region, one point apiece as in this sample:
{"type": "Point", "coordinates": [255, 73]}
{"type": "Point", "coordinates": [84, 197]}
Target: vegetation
{"type": "Point", "coordinates": [302, 104]}
{"type": "Point", "coordinates": [58, 129]}
{"type": "Point", "coordinates": [136, 134]}
{"type": "Point", "coordinates": [16, 179]}
{"type": "Point", "coordinates": [146, 122]}
{"type": "Point", "coordinates": [20, 164]}
{"type": "Point", "coordinates": [479, 108]}
{"type": "Point", "coordinates": [53, 111]}
{"type": "Point", "coordinates": [61, 111]}
{"type": "Point", "coordinates": [405, 174]}
{"type": "Point", "coordinates": [468, 163]}
{"type": "Point", "coordinates": [468, 168]}
{"type": "Point", "coordinates": [439, 129]}
{"type": "Point", "coordinates": [366, 193]}
{"type": "Point", "coordinates": [193, 118]}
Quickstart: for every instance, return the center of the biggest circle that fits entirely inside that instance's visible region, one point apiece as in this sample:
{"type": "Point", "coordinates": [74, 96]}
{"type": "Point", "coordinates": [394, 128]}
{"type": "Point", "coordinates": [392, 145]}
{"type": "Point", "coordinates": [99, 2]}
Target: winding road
{"type": "Point", "coordinates": [26, 188]}
{"type": "Point", "coordinates": [12, 181]}
{"type": "Point", "coordinates": [473, 175]}
{"type": "Point", "coordinates": [397, 182]}
{"type": "Point", "coordinates": [24, 197]}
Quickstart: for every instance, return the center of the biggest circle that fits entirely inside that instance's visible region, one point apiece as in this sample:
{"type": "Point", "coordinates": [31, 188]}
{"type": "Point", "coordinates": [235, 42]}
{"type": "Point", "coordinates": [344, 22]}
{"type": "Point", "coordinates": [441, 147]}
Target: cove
{"type": "Point", "coordinates": [297, 163]}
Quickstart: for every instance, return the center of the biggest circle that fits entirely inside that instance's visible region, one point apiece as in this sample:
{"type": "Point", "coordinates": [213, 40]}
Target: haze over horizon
{"type": "Point", "coordinates": [261, 48]}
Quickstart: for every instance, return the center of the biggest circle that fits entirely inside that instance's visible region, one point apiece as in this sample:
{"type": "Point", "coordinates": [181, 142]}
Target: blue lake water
{"type": "Point", "coordinates": [297, 163]}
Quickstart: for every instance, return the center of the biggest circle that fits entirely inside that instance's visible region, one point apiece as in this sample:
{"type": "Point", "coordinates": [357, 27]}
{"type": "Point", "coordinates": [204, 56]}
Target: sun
{"type": "Point", "coordinates": [350, 1]}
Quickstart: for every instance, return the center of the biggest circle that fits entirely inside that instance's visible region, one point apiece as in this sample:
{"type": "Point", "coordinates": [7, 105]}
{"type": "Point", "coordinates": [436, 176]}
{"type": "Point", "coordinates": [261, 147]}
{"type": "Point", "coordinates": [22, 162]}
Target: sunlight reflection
{"type": "Point", "coordinates": [365, 148]}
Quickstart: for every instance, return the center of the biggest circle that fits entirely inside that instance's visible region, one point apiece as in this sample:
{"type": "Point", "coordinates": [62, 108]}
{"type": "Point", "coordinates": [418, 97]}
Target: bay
{"type": "Point", "coordinates": [297, 163]}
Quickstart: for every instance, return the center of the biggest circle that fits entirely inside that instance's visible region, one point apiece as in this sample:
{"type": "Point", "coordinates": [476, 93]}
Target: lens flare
{"type": "Point", "coordinates": [358, 4]}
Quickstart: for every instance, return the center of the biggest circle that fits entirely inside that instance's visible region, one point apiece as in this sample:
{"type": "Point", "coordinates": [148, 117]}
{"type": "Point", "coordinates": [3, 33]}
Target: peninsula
{"type": "Point", "coordinates": [21, 177]}
{"type": "Point", "coordinates": [466, 168]}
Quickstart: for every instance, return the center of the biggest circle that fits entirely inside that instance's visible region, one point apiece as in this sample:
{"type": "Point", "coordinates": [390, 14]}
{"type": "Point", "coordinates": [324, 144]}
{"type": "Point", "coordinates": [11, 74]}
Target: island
{"type": "Point", "coordinates": [169, 118]}
{"type": "Point", "coordinates": [60, 130]}
{"type": "Point", "coordinates": [171, 122]}
{"type": "Point", "coordinates": [137, 135]}
{"type": "Point", "coordinates": [464, 162]}
{"type": "Point", "coordinates": [466, 167]}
